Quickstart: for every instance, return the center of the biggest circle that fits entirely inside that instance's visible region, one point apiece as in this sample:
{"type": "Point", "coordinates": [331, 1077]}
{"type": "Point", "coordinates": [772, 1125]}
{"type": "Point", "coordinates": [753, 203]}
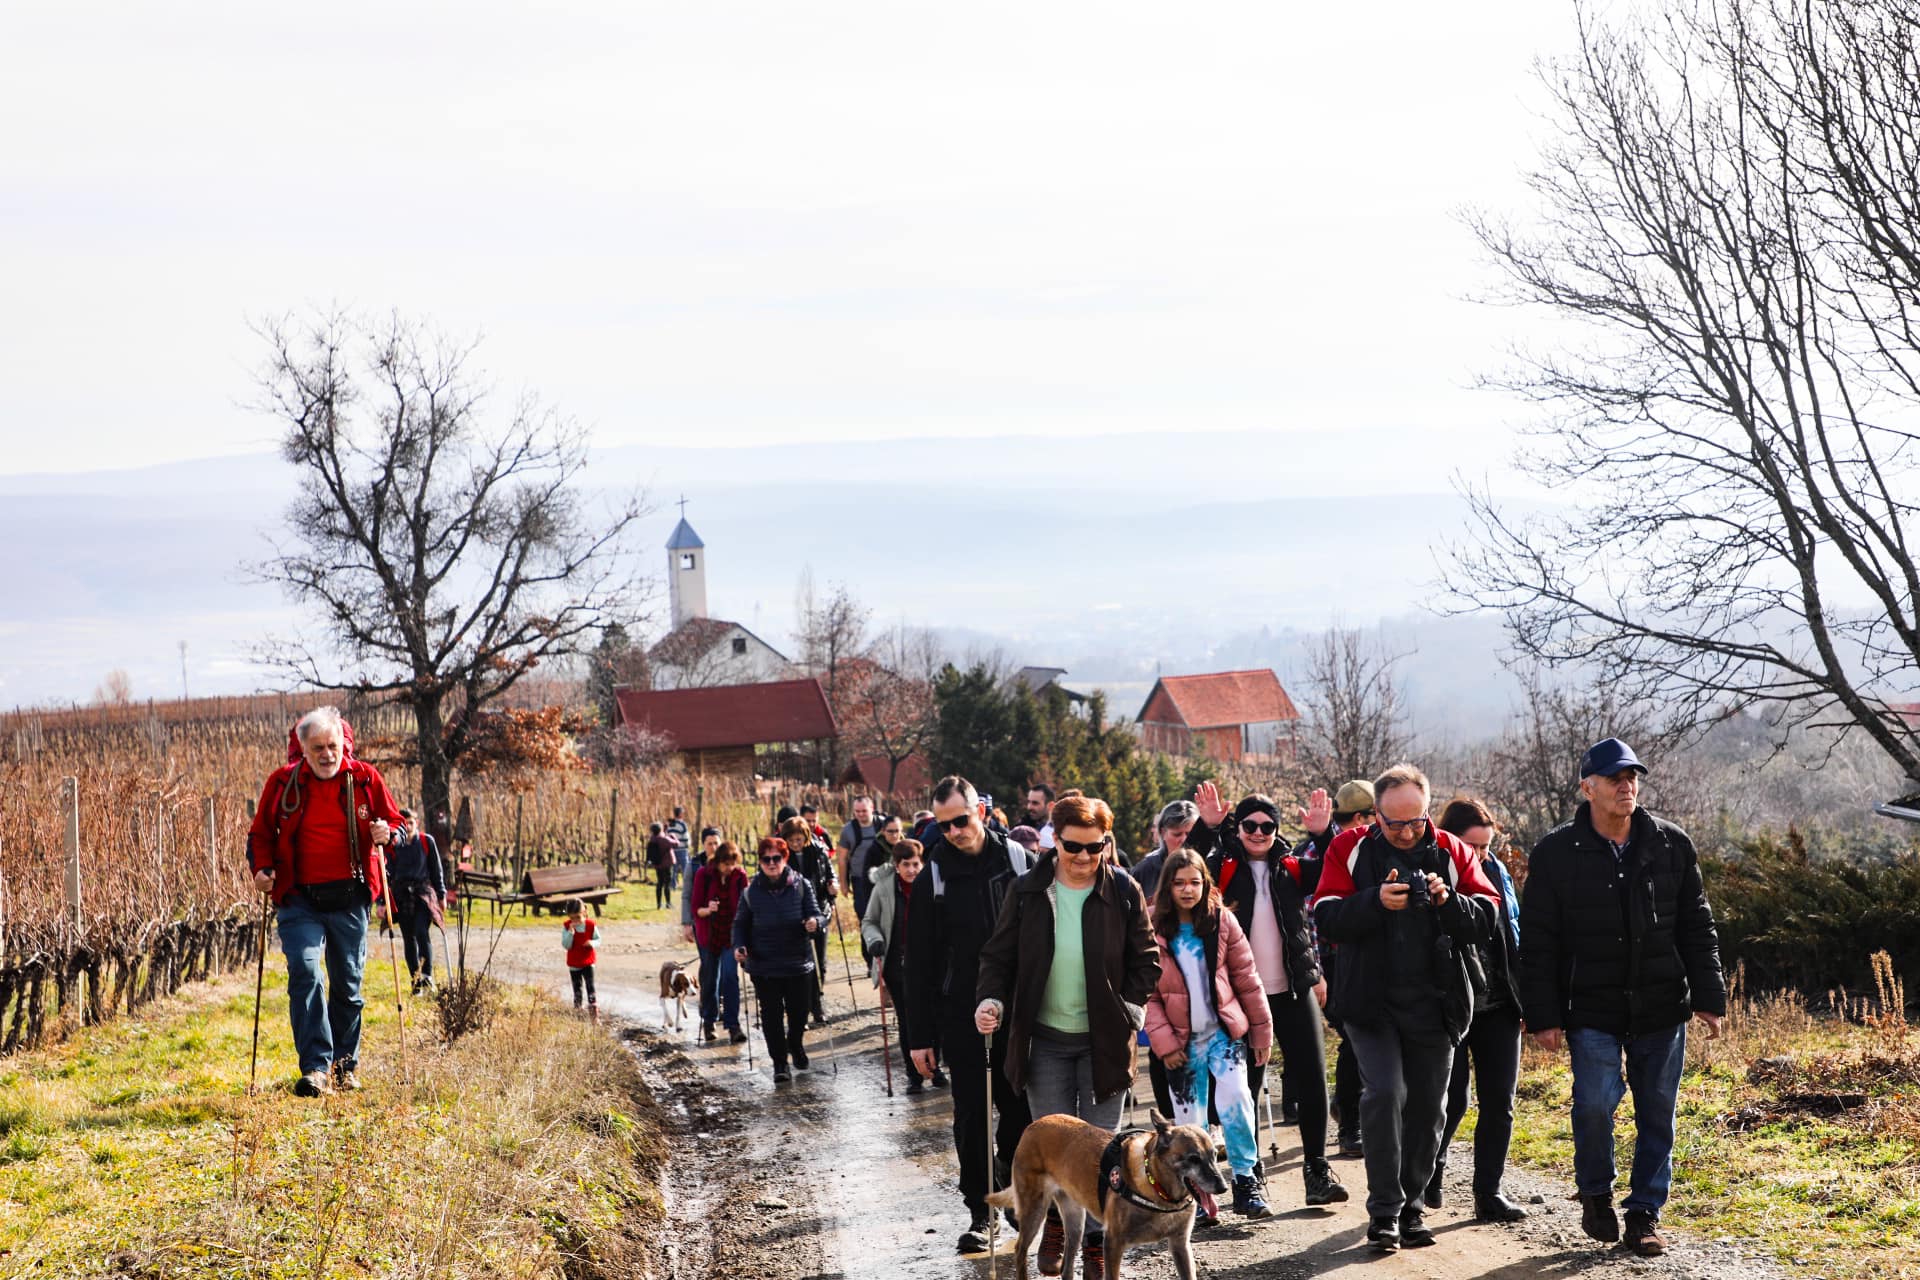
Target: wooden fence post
{"type": "Point", "coordinates": [70, 812]}
{"type": "Point", "coordinates": [519, 855]}
{"type": "Point", "coordinates": [613, 825]}
{"type": "Point", "coordinates": [213, 843]}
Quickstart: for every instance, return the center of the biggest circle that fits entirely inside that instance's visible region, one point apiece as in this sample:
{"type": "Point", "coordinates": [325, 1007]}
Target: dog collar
{"type": "Point", "coordinates": [1113, 1178]}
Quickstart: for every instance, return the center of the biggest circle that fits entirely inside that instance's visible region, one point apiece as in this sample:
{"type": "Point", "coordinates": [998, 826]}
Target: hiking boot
{"type": "Point", "coordinates": [706, 1033]}
{"type": "Point", "coordinates": [736, 1036]}
{"type": "Point", "coordinates": [800, 1060]}
{"type": "Point", "coordinates": [1322, 1186]}
{"type": "Point", "coordinates": [916, 1085]}
{"type": "Point", "coordinates": [1414, 1231]}
{"type": "Point", "coordinates": [1202, 1219]}
{"type": "Point", "coordinates": [1093, 1260]}
{"type": "Point", "coordinates": [974, 1239]}
{"type": "Point", "coordinates": [1642, 1237]}
{"type": "Point", "coordinates": [1496, 1208]}
{"type": "Point", "coordinates": [939, 1080]}
{"type": "Point", "coordinates": [314, 1084]}
{"type": "Point", "coordinates": [345, 1077]}
{"type": "Point", "coordinates": [1247, 1200]}
{"type": "Point", "coordinates": [1384, 1234]}
{"type": "Point", "coordinates": [1435, 1196]}
{"type": "Point", "coordinates": [1598, 1219]}
{"type": "Point", "coordinates": [781, 1075]}
{"type": "Point", "coordinates": [1053, 1244]}
{"type": "Point", "coordinates": [1351, 1144]}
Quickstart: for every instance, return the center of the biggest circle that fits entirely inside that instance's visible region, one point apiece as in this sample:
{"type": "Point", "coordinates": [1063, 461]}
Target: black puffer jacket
{"type": "Point", "coordinates": [1622, 946]}
{"type": "Point", "coordinates": [1291, 883]}
{"type": "Point", "coordinates": [952, 911]}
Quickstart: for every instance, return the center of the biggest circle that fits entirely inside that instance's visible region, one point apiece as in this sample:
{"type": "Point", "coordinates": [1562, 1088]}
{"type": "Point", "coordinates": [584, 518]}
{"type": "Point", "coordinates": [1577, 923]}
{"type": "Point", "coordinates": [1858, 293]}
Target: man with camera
{"type": "Point", "coordinates": [1404, 903]}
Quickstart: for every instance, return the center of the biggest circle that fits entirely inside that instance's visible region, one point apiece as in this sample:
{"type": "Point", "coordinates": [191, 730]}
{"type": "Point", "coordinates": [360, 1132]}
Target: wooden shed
{"type": "Point", "coordinates": [1234, 714]}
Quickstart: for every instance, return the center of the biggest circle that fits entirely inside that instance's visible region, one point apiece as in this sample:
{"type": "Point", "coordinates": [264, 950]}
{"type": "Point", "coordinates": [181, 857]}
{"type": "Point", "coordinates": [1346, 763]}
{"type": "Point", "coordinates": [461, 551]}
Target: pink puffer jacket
{"type": "Point", "coordinates": [1239, 997]}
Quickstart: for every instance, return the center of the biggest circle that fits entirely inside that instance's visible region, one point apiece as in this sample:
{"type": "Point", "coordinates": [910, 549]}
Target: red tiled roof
{"type": "Point", "coordinates": [687, 643]}
{"type": "Point", "coordinates": [732, 715]}
{"type": "Point", "coordinates": [1227, 698]}
{"type": "Point", "coordinates": [871, 771]}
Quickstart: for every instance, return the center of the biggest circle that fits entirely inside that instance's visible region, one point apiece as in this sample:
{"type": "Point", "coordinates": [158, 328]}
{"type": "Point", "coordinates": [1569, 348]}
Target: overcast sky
{"type": "Point", "coordinates": [735, 223]}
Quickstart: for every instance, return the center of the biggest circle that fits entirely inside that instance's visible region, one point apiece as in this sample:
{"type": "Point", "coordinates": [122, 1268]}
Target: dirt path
{"type": "Point", "coordinates": [830, 1178]}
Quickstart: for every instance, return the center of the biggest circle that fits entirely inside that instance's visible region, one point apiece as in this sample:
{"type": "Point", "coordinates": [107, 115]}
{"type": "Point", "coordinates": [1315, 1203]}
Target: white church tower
{"type": "Point", "coordinates": [686, 571]}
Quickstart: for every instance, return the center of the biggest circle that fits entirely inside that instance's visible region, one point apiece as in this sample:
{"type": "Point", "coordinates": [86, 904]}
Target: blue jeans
{"type": "Point", "coordinates": [1653, 1063]}
{"type": "Point", "coordinates": [1218, 1069]}
{"type": "Point", "coordinates": [719, 987]}
{"type": "Point", "coordinates": [327, 1033]}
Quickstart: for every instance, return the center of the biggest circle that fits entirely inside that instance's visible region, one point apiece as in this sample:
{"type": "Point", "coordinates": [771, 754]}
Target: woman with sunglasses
{"type": "Point", "coordinates": [773, 925]}
{"type": "Point", "coordinates": [1492, 1045]}
{"type": "Point", "coordinates": [1069, 969]}
{"type": "Point", "coordinates": [1267, 890]}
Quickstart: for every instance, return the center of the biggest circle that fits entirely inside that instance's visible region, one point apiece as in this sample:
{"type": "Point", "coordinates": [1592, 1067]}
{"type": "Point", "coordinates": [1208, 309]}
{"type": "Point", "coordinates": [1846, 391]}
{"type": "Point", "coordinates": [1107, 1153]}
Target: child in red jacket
{"type": "Point", "coordinates": [579, 935]}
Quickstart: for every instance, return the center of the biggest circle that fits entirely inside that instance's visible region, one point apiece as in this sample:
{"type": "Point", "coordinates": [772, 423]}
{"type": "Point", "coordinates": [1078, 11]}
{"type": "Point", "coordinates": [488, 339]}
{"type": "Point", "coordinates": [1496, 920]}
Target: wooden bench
{"type": "Point", "coordinates": [548, 888]}
{"type": "Point", "coordinates": [482, 886]}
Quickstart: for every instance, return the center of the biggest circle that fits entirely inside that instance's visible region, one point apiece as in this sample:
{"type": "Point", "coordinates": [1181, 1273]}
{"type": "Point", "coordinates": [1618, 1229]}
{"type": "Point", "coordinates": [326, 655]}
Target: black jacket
{"type": "Point", "coordinates": [1623, 946]}
{"type": "Point", "coordinates": [952, 912]}
{"type": "Point", "coordinates": [815, 862]}
{"type": "Point", "coordinates": [1290, 896]}
{"type": "Point", "coordinates": [771, 923]}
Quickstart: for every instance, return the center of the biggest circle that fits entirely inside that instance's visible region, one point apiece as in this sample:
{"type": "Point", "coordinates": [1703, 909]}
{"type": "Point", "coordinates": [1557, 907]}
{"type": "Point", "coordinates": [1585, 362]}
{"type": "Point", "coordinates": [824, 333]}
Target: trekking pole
{"type": "Point", "coordinates": [754, 991]}
{"type": "Point", "coordinates": [993, 1214]}
{"type": "Point", "coordinates": [886, 1053]}
{"type": "Point", "coordinates": [1273, 1135]}
{"type": "Point", "coordinates": [259, 989]}
{"type": "Point", "coordinates": [393, 960]}
{"type": "Point", "coordinates": [848, 964]}
{"type": "Point", "coordinates": [833, 1049]}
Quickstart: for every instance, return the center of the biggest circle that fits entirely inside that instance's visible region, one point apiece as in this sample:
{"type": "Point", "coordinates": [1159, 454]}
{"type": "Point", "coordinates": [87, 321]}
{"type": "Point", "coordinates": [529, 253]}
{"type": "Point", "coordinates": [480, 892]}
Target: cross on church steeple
{"type": "Point", "coordinates": [683, 506]}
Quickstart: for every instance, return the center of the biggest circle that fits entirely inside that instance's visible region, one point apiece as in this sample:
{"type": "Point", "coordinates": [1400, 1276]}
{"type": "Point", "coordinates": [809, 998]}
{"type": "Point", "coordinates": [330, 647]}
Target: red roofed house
{"type": "Point", "coordinates": [715, 730]}
{"type": "Point", "coordinates": [1235, 714]}
{"type": "Point", "coordinates": [871, 773]}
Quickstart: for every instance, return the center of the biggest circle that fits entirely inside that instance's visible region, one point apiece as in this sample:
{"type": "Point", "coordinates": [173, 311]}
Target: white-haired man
{"type": "Point", "coordinates": [315, 845]}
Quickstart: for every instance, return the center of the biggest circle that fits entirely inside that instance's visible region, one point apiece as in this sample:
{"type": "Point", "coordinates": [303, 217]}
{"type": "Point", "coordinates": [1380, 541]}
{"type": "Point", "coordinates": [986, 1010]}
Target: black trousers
{"type": "Point", "coordinates": [967, 1070]}
{"type": "Point", "coordinates": [1346, 1081]}
{"type": "Point", "coordinates": [583, 981]}
{"type": "Point", "coordinates": [1493, 1047]}
{"type": "Point", "coordinates": [896, 979]}
{"type": "Point", "coordinates": [663, 887]}
{"type": "Point", "coordinates": [416, 935]}
{"type": "Point", "coordinates": [1403, 1108]}
{"type": "Point", "coordinates": [783, 1015]}
{"type": "Point", "coordinates": [1301, 1045]}
{"type": "Point", "coordinates": [819, 1004]}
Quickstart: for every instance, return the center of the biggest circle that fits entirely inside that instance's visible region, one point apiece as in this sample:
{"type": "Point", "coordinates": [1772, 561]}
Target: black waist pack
{"type": "Point", "coordinates": [337, 895]}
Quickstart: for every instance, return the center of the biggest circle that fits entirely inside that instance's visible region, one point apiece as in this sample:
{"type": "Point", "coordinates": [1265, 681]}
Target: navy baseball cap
{"type": "Point", "coordinates": [1608, 758]}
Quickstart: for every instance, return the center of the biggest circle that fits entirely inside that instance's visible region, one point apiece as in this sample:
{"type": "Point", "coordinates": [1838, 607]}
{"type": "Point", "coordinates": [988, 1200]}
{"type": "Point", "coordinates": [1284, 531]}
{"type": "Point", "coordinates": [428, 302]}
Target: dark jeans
{"type": "Point", "coordinates": [719, 987]}
{"type": "Point", "coordinates": [583, 981]}
{"type": "Point", "coordinates": [1492, 1047]}
{"type": "Point", "coordinates": [416, 935]}
{"type": "Point", "coordinates": [967, 1069]}
{"type": "Point", "coordinates": [1302, 1049]}
{"type": "Point", "coordinates": [1653, 1064]}
{"type": "Point", "coordinates": [783, 1015]}
{"type": "Point", "coordinates": [1403, 1108]}
{"type": "Point", "coordinates": [323, 1034]}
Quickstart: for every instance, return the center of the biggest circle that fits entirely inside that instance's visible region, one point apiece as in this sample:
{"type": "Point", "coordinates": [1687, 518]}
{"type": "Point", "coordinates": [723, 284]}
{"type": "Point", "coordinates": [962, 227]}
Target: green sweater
{"type": "Point", "coordinates": [1063, 1006]}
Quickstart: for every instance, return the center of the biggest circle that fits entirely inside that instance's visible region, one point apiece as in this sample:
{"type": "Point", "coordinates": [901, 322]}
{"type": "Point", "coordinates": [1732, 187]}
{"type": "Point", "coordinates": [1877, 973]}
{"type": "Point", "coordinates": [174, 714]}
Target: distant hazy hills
{"type": "Point", "coordinates": [1104, 555]}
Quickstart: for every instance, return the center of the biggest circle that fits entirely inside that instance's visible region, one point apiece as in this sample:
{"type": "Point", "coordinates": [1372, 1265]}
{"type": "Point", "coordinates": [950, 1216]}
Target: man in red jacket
{"type": "Point", "coordinates": [316, 845]}
{"type": "Point", "coordinates": [1405, 905]}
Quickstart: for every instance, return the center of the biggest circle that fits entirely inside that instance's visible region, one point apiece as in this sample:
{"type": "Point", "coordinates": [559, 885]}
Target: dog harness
{"type": "Point", "coordinates": [1113, 1178]}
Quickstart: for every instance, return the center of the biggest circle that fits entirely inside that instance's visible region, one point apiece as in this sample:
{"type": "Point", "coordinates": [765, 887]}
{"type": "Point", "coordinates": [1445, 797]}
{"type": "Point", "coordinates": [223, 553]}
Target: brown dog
{"type": "Point", "coordinates": [678, 981]}
{"type": "Point", "coordinates": [1151, 1181]}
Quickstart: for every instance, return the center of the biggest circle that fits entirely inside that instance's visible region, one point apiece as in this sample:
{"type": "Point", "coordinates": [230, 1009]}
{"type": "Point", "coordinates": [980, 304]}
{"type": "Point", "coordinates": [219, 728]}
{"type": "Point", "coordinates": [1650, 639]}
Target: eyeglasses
{"type": "Point", "coordinates": [1074, 846]}
{"type": "Point", "coordinates": [1404, 824]}
{"type": "Point", "coordinates": [957, 824]}
{"type": "Point", "coordinates": [771, 856]}
{"type": "Point", "coordinates": [1252, 828]}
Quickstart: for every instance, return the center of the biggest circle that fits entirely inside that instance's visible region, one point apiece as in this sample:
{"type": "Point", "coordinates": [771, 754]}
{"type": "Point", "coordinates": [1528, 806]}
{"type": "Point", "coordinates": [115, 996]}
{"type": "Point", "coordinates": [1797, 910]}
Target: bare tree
{"type": "Point", "coordinates": [890, 708]}
{"type": "Point", "coordinates": [1355, 708]}
{"type": "Point", "coordinates": [114, 691]}
{"type": "Point", "coordinates": [444, 556]}
{"type": "Point", "coordinates": [831, 634]}
{"type": "Point", "coordinates": [1731, 224]}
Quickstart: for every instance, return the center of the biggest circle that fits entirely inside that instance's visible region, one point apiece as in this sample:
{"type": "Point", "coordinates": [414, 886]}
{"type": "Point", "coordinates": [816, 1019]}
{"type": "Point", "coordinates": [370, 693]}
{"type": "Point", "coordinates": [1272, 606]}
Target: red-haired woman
{"type": "Point", "coordinates": [1070, 966]}
{"type": "Point", "coordinates": [1209, 1015]}
{"type": "Point", "coordinates": [772, 928]}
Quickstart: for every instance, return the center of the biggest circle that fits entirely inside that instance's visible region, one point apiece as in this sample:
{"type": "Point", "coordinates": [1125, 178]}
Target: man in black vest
{"type": "Point", "coordinates": [951, 913]}
{"type": "Point", "coordinates": [1617, 950]}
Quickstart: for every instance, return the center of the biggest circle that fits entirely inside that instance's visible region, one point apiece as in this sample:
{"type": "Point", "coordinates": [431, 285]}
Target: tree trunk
{"type": "Point", "coordinates": [436, 770]}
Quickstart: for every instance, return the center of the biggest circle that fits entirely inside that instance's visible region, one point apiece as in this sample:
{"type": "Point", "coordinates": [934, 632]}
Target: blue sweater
{"type": "Point", "coordinates": [771, 924]}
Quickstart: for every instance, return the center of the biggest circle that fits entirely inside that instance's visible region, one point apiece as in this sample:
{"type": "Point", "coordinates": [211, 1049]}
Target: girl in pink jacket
{"type": "Point", "coordinates": [1208, 1015]}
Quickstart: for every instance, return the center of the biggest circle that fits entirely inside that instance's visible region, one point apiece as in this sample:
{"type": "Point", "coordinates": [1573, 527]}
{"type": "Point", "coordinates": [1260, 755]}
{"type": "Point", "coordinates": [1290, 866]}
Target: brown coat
{"type": "Point", "coordinates": [1123, 966]}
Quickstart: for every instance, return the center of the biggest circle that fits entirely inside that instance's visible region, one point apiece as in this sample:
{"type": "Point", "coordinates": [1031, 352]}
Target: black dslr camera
{"type": "Point", "coordinates": [1418, 894]}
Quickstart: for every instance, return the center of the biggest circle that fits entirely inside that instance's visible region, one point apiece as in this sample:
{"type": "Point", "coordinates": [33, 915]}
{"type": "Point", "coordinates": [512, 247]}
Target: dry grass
{"type": "Point", "coordinates": [525, 1150]}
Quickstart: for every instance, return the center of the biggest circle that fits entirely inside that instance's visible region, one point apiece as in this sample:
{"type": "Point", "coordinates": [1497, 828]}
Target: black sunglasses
{"type": "Point", "coordinates": [1253, 828]}
{"type": "Point", "coordinates": [771, 856]}
{"type": "Point", "coordinates": [959, 823]}
{"type": "Point", "coordinates": [1074, 846]}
